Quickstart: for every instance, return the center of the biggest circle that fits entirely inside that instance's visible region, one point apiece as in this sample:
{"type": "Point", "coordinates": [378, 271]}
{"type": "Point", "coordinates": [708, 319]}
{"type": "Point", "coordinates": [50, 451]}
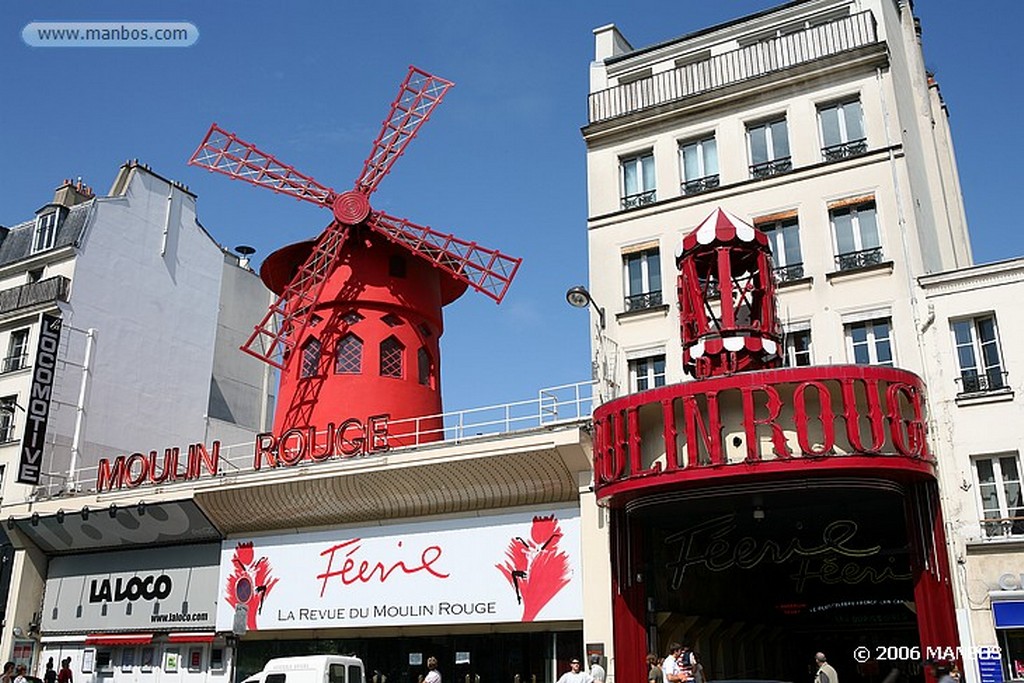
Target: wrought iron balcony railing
{"type": "Point", "coordinates": [14, 363]}
{"type": "Point", "coordinates": [770, 168]}
{"type": "Point", "coordinates": [845, 150]}
{"type": "Point", "coordinates": [699, 185]}
{"type": "Point", "coordinates": [6, 433]}
{"type": "Point", "coordinates": [1002, 527]}
{"type": "Point", "coordinates": [639, 302]}
{"type": "Point", "coordinates": [761, 58]}
{"type": "Point", "coordinates": [973, 382]}
{"type": "Point", "coordinates": [43, 292]}
{"type": "Point", "coordinates": [853, 260]}
{"type": "Point", "coordinates": [789, 273]}
{"type": "Point", "coordinates": [632, 201]}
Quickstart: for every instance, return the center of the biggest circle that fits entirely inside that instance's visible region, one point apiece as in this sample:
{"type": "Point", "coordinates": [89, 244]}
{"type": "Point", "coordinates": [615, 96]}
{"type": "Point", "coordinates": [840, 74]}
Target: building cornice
{"type": "Point", "coordinates": [972, 277]}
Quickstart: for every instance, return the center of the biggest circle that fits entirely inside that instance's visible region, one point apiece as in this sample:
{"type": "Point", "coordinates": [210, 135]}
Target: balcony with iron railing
{"type": "Point", "coordinates": [769, 168]}
{"type": "Point", "coordinates": [753, 61]}
{"type": "Point", "coordinates": [642, 302]}
{"type": "Point", "coordinates": [699, 185]}
{"type": "Point", "coordinates": [34, 294]}
{"type": "Point", "coordinates": [855, 260]}
{"type": "Point", "coordinates": [972, 382]}
{"type": "Point", "coordinates": [633, 201]}
{"type": "Point", "coordinates": [14, 363]}
{"type": "Point", "coordinates": [1002, 528]}
{"type": "Point", "coordinates": [790, 273]}
{"type": "Point", "coordinates": [845, 150]}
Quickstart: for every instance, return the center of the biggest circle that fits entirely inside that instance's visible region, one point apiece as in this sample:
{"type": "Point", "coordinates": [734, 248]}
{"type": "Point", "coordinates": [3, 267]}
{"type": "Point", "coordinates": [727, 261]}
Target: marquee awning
{"type": "Point", "coordinates": [190, 637]}
{"type": "Point", "coordinates": [119, 639]}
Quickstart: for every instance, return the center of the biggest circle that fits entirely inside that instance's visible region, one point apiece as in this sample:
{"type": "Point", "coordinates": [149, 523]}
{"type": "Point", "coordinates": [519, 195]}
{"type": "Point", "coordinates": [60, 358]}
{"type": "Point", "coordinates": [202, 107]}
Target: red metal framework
{"type": "Point", "coordinates": [485, 270]}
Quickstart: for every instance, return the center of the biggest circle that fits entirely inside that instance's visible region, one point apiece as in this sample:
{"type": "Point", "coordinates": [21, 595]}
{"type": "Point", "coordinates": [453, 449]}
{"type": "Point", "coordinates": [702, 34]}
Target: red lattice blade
{"type": "Point", "coordinates": [286, 320]}
{"type": "Point", "coordinates": [488, 271]}
{"type": "Point", "coordinates": [419, 93]}
{"type": "Point", "coordinates": [226, 153]}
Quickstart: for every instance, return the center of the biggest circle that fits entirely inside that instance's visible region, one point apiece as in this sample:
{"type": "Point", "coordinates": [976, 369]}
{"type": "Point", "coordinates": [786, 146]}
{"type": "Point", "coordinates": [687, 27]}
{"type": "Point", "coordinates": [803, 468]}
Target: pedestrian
{"type": "Point", "coordinates": [433, 675]}
{"type": "Point", "coordinates": [50, 676]}
{"type": "Point", "coordinates": [943, 672]}
{"type": "Point", "coordinates": [19, 674]}
{"type": "Point", "coordinates": [65, 671]}
{"type": "Point", "coordinates": [654, 672]}
{"type": "Point", "coordinates": [8, 674]}
{"type": "Point", "coordinates": [597, 673]}
{"type": "Point", "coordinates": [826, 674]}
{"type": "Point", "coordinates": [670, 667]}
{"type": "Point", "coordinates": [575, 674]}
{"type": "Point", "coordinates": [696, 667]}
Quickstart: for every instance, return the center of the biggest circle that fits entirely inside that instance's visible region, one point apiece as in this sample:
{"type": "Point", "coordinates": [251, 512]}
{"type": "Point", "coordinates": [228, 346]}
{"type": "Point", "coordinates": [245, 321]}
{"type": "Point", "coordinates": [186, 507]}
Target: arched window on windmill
{"type": "Point", "coordinates": [425, 367]}
{"type": "Point", "coordinates": [391, 352]}
{"type": "Point", "coordinates": [348, 359]}
{"type": "Point", "coordinates": [311, 358]}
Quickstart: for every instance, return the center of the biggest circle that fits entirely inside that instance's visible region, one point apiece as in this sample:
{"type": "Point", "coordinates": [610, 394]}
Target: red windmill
{"type": "Point", "coordinates": [361, 304]}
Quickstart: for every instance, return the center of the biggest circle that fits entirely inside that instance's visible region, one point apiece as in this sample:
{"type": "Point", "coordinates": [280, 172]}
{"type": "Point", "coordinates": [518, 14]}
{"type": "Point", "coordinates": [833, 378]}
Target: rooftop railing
{"type": "Point", "coordinates": [762, 58]}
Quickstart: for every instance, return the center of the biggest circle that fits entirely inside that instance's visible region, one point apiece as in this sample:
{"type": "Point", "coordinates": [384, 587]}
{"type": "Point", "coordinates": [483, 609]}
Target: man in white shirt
{"type": "Point", "coordinates": [575, 674]}
{"type": "Point", "coordinates": [670, 667]}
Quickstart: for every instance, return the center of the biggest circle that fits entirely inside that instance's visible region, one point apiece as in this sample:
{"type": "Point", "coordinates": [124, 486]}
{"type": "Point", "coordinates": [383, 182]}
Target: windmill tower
{"type": "Point", "coordinates": [356, 326]}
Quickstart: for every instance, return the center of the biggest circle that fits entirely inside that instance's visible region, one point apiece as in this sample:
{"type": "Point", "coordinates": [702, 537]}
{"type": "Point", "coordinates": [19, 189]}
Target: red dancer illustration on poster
{"type": "Point", "coordinates": [536, 569]}
{"type": "Point", "coordinates": [250, 583]}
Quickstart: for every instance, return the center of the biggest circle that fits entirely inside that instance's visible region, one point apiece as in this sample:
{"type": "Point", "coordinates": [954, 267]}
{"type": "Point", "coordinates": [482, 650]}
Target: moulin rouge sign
{"type": "Point", "coordinates": [350, 439]}
{"type": "Point", "coordinates": [759, 417]}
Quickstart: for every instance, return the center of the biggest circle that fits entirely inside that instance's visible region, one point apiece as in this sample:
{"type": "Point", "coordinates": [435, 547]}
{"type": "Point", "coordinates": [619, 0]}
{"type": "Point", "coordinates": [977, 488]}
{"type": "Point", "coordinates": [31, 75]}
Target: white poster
{"type": "Point", "coordinates": [519, 567]}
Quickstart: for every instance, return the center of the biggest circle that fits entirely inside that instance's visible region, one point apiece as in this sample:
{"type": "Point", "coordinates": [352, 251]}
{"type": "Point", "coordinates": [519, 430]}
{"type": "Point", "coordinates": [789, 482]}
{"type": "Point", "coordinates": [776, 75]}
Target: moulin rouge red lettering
{"type": "Point", "coordinates": [356, 570]}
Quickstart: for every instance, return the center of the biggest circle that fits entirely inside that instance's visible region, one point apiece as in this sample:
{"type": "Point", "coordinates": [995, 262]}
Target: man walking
{"type": "Point", "coordinates": [826, 674]}
{"type": "Point", "coordinates": [596, 670]}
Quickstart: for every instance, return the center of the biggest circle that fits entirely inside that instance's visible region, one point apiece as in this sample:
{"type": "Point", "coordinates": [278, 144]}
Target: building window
{"type": "Point", "coordinates": [17, 351]}
{"type": "Point", "coordinates": [642, 272]}
{"type": "Point", "coordinates": [842, 130]}
{"type": "Point", "coordinates": [638, 188]}
{"type": "Point", "coordinates": [977, 355]}
{"type": "Point", "coordinates": [784, 240]}
{"type": "Point", "coordinates": [647, 373]}
{"type": "Point", "coordinates": [351, 318]}
{"type": "Point", "coordinates": [349, 360]}
{"type": "Point", "coordinates": [424, 366]}
{"type": "Point", "coordinates": [856, 232]}
{"type": "Point", "coordinates": [699, 161]}
{"type": "Point", "coordinates": [391, 358]}
{"type": "Point", "coordinates": [798, 349]}
{"type": "Point", "coordinates": [869, 342]}
{"type": "Point", "coordinates": [8, 404]}
{"type": "Point", "coordinates": [769, 148]}
{"type": "Point", "coordinates": [46, 232]}
{"type": "Point", "coordinates": [999, 488]}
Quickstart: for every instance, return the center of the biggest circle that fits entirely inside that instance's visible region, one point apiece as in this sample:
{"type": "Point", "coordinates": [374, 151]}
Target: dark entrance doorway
{"type": "Point", "coordinates": [759, 579]}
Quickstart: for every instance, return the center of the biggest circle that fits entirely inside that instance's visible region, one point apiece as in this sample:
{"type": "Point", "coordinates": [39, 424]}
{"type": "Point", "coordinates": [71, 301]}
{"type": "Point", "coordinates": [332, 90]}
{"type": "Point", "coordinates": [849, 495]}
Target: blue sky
{"type": "Point", "coordinates": [502, 160]}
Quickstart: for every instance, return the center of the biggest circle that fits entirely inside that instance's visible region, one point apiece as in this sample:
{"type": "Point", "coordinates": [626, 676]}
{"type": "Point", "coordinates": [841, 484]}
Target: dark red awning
{"type": "Point", "coordinates": [190, 637]}
{"type": "Point", "coordinates": [119, 639]}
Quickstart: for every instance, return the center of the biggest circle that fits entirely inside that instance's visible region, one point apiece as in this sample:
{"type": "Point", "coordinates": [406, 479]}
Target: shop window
{"type": "Point", "coordinates": [217, 659]}
{"type": "Point", "coordinates": [642, 273]}
{"type": "Point", "coordinates": [349, 358]}
{"type": "Point", "coordinates": [977, 355]}
{"type": "Point", "coordinates": [870, 342]}
{"type": "Point", "coordinates": [999, 488]}
{"type": "Point", "coordinates": [638, 187]}
{"type": "Point", "coordinates": [311, 358]}
{"type": "Point", "coordinates": [647, 373]}
{"type": "Point", "coordinates": [391, 352]}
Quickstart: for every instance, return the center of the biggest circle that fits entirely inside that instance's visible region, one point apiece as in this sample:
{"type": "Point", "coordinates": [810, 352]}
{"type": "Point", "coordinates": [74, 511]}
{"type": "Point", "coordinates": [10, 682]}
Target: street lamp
{"type": "Point", "coordinates": [579, 297]}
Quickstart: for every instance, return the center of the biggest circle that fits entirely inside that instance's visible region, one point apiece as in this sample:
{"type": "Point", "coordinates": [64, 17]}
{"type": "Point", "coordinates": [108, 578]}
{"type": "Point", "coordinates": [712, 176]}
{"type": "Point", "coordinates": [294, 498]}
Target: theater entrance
{"type": "Point", "coordinates": [759, 579]}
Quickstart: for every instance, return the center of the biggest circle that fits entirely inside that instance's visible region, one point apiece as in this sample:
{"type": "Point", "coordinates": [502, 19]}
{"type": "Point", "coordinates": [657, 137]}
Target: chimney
{"type": "Point", "coordinates": [69, 194]}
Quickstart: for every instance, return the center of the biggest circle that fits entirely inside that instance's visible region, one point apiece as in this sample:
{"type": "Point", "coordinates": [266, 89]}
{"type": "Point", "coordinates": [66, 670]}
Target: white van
{"type": "Point", "coordinates": [311, 669]}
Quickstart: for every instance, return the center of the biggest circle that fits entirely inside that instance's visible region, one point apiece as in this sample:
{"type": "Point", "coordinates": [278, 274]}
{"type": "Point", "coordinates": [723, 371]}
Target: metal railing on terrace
{"type": "Point", "coordinates": [553, 406]}
{"type": "Point", "coordinates": [759, 59]}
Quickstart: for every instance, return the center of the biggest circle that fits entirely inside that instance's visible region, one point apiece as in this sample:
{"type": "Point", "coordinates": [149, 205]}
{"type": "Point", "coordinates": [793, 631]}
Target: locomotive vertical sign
{"type": "Point", "coordinates": [38, 412]}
